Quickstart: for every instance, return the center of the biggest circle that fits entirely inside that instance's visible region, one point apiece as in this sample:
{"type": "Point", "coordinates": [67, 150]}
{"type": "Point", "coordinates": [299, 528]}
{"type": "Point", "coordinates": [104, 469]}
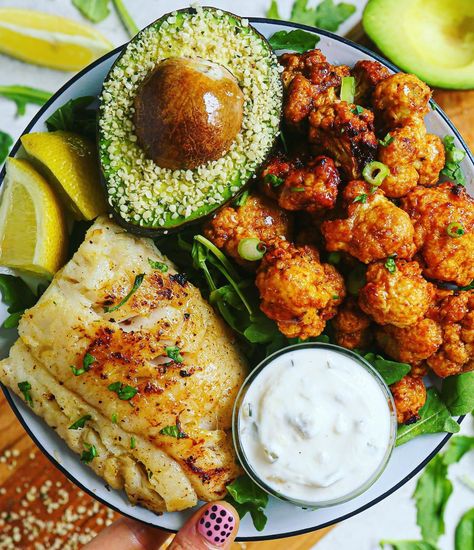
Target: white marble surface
{"type": "Point", "coordinates": [394, 518]}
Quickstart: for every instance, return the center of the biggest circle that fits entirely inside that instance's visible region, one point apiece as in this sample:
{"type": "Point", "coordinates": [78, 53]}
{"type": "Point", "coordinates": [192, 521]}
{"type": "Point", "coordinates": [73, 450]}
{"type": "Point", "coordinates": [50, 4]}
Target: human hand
{"type": "Point", "coordinates": [214, 525]}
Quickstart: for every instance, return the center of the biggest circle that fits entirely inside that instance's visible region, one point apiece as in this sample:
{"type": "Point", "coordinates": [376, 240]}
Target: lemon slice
{"type": "Point", "coordinates": [33, 232]}
{"type": "Point", "coordinates": [69, 163]}
{"type": "Point", "coordinates": [49, 40]}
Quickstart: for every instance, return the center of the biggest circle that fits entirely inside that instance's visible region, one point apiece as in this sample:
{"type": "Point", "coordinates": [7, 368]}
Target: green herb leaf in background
{"type": "Point", "coordinates": [295, 41]}
{"type": "Point", "coordinates": [434, 418]}
{"type": "Point", "coordinates": [22, 95]}
{"type": "Point", "coordinates": [464, 534]}
{"type": "Point", "coordinates": [18, 296]}
{"type": "Point", "coordinates": [431, 495]}
{"type": "Point", "coordinates": [457, 393]}
{"type": "Point", "coordinates": [390, 371]}
{"type": "Point", "coordinates": [6, 141]}
{"type": "Point", "coordinates": [125, 17]}
{"type": "Point", "coordinates": [94, 10]}
{"type": "Point", "coordinates": [408, 545]}
{"type": "Point", "coordinates": [458, 447]}
{"type": "Point", "coordinates": [247, 497]}
{"type": "Point", "coordinates": [272, 12]}
{"type": "Point", "coordinates": [454, 157]}
{"type": "Point", "coordinates": [75, 116]}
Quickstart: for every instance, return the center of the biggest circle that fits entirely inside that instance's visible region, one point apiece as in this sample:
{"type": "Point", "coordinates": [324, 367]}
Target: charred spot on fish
{"type": "Point", "coordinates": [180, 278]}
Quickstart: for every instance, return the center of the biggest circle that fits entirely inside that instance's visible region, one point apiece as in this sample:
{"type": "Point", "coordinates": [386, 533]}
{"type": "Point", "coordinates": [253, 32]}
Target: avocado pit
{"type": "Point", "coordinates": [187, 112]}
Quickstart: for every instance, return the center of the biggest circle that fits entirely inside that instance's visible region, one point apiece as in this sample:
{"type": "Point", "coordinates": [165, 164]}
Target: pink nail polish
{"type": "Point", "coordinates": [216, 524]}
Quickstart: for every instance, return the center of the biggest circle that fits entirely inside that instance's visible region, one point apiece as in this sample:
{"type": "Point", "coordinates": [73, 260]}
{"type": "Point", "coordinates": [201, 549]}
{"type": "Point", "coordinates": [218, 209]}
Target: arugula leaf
{"type": "Point", "coordinates": [272, 12]}
{"type": "Point", "coordinates": [247, 497]}
{"type": "Point", "coordinates": [18, 296]}
{"type": "Point", "coordinates": [408, 545]}
{"type": "Point", "coordinates": [434, 418]}
{"type": "Point", "coordinates": [295, 41]}
{"type": "Point", "coordinates": [80, 423]}
{"type": "Point", "coordinates": [25, 388]}
{"type": "Point", "coordinates": [136, 285]}
{"type": "Point", "coordinates": [22, 95]}
{"type": "Point", "coordinates": [326, 15]}
{"type": "Point", "coordinates": [6, 141]}
{"type": "Point", "coordinates": [390, 371]}
{"type": "Point", "coordinates": [13, 319]}
{"type": "Point", "coordinates": [458, 447]}
{"type": "Point", "coordinates": [457, 392]}
{"type": "Point", "coordinates": [464, 534]}
{"type": "Point", "coordinates": [89, 454]}
{"type": "Point", "coordinates": [431, 495]}
{"type": "Point", "coordinates": [454, 157]}
{"type": "Point", "coordinates": [75, 116]}
{"type": "Point", "coordinates": [174, 431]}
{"type": "Point", "coordinates": [124, 391]}
{"type": "Point", "coordinates": [94, 10]}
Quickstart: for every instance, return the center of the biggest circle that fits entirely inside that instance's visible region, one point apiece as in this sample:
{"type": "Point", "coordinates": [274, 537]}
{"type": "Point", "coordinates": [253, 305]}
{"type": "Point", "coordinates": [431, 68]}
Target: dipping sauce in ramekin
{"type": "Point", "coordinates": [314, 424]}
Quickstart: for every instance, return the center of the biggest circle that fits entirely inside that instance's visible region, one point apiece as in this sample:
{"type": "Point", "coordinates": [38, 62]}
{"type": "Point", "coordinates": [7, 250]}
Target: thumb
{"type": "Point", "coordinates": [215, 525]}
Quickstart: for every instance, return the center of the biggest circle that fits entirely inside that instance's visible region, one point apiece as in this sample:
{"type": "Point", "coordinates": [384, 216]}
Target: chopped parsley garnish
{"type": "Point", "coordinates": [174, 431]}
{"type": "Point", "coordinates": [132, 442]}
{"type": "Point", "coordinates": [25, 388]}
{"type": "Point", "coordinates": [361, 198]}
{"type": "Point", "coordinates": [138, 281]}
{"type": "Point", "coordinates": [455, 230]}
{"type": "Point", "coordinates": [387, 140]}
{"type": "Point", "coordinates": [86, 365]}
{"type": "Point", "coordinates": [78, 424]}
{"type": "Point", "coordinates": [454, 157]}
{"type": "Point", "coordinates": [114, 418]}
{"type": "Point", "coordinates": [89, 453]}
{"type": "Point", "coordinates": [390, 265]}
{"type": "Point", "coordinates": [160, 266]}
{"type": "Point", "coordinates": [173, 353]}
{"type": "Point", "coordinates": [273, 180]}
{"type": "Point", "coordinates": [124, 392]}
{"type": "Point", "coordinates": [357, 110]}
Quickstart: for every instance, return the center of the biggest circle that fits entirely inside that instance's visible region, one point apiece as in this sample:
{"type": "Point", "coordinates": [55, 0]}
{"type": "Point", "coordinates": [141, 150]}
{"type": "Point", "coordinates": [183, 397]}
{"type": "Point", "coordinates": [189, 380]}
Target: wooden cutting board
{"type": "Point", "coordinates": [39, 505]}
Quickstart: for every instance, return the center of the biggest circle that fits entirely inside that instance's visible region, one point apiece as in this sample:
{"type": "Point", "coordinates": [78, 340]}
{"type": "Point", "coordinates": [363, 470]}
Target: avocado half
{"type": "Point", "coordinates": [433, 39]}
{"type": "Point", "coordinates": [149, 199]}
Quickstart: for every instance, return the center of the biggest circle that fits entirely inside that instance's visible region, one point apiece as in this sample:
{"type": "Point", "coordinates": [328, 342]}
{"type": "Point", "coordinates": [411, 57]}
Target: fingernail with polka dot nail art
{"type": "Point", "coordinates": [216, 524]}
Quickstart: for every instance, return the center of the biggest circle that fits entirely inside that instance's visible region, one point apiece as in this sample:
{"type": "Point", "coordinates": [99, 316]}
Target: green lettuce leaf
{"type": "Point", "coordinates": [457, 392]}
{"type": "Point", "coordinates": [247, 497]}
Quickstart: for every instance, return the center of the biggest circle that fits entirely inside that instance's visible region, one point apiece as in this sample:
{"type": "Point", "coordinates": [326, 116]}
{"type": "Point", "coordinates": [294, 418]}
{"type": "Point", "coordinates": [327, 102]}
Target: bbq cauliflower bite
{"type": "Point", "coordinates": [455, 314]}
{"type": "Point", "coordinates": [409, 395]}
{"type": "Point", "coordinates": [351, 326]}
{"type": "Point", "coordinates": [430, 160]}
{"type": "Point", "coordinates": [400, 98]}
{"type": "Point", "coordinates": [340, 131]}
{"type": "Point", "coordinates": [374, 228]}
{"type": "Point", "coordinates": [298, 291]}
{"type": "Point", "coordinates": [367, 75]}
{"type": "Point", "coordinates": [443, 217]}
{"type": "Point", "coordinates": [400, 298]}
{"type": "Point", "coordinates": [309, 82]}
{"type": "Point", "coordinates": [412, 344]}
{"type": "Point", "coordinates": [311, 186]}
{"type": "Point", "coordinates": [258, 218]}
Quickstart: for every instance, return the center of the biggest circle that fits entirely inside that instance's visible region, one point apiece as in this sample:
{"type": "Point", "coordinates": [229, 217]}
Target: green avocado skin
{"type": "Point", "coordinates": [432, 39]}
{"type": "Point", "coordinates": [176, 225]}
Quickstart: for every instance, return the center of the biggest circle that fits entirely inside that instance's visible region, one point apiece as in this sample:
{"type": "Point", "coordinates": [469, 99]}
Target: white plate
{"type": "Point", "coordinates": [283, 519]}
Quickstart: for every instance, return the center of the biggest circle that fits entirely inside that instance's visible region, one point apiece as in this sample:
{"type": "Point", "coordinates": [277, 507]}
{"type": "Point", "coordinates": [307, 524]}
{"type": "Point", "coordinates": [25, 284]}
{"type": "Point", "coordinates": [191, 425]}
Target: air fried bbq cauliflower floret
{"type": "Point", "coordinates": [309, 82]}
{"type": "Point", "coordinates": [298, 291]}
{"type": "Point", "coordinates": [374, 228]}
{"type": "Point", "coordinates": [430, 160]}
{"type": "Point", "coordinates": [409, 395]}
{"type": "Point", "coordinates": [367, 75]}
{"type": "Point", "coordinates": [399, 298]}
{"type": "Point", "coordinates": [443, 217]}
{"type": "Point", "coordinates": [340, 131]}
{"type": "Point", "coordinates": [351, 326]}
{"type": "Point", "coordinates": [311, 186]}
{"type": "Point", "coordinates": [400, 98]}
{"type": "Point", "coordinates": [258, 218]}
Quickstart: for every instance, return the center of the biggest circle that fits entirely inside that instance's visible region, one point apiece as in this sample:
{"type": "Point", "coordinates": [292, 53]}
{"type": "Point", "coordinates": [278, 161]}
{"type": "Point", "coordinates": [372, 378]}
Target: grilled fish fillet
{"type": "Point", "coordinates": [169, 444]}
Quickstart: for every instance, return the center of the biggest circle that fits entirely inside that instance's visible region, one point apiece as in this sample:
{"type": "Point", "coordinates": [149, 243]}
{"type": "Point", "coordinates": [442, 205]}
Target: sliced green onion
{"type": "Point", "coordinates": [387, 140]}
{"type": "Point", "coordinates": [375, 172]}
{"type": "Point", "coordinates": [297, 189]}
{"type": "Point", "coordinates": [390, 265]}
{"type": "Point", "coordinates": [251, 249]}
{"type": "Point", "coordinates": [455, 230]}
{"type": "Point", "coordinates": [348, 89]}
{"type": "Point", "coordinates": [273, 180]}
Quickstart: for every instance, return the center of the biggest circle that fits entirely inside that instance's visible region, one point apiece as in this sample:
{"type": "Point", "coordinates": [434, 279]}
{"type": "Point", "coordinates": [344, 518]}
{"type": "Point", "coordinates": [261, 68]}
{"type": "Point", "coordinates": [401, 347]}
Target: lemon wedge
{"type": "Point", "coordinates": [33, 232]}
{"type": "Point", "coordinates": [49, 40]}
{"type": "Point", "coordinates": [69, 163]}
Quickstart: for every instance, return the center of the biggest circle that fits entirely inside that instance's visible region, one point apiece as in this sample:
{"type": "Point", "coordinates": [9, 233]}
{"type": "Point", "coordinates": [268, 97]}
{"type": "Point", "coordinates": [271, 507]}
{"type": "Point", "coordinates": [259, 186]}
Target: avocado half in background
{"type": "Point", "coordinates": [189, 112]}
{"type": "Point", "coordinates": [433, 39]}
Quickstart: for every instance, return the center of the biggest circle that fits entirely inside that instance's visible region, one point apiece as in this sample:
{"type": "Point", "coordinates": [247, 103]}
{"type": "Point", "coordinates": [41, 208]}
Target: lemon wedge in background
{"type": "Point", "coordinates": [69, 162]}
{"type": "Point", "coordinates": [49, 40]}
{"type": "Point", "coordinates": [33, 232]}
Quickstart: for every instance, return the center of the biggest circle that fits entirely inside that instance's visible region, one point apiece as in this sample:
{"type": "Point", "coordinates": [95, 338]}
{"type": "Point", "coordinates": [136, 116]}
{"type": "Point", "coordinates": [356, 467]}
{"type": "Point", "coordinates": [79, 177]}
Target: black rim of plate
{"type": "Point", "coordinates": [54, 461]}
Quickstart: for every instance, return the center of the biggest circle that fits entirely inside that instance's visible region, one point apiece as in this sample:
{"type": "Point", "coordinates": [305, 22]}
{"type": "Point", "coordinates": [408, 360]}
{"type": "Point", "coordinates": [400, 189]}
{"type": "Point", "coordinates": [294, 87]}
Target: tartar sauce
{"type": "Point", "coordinates": [315, 425]}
